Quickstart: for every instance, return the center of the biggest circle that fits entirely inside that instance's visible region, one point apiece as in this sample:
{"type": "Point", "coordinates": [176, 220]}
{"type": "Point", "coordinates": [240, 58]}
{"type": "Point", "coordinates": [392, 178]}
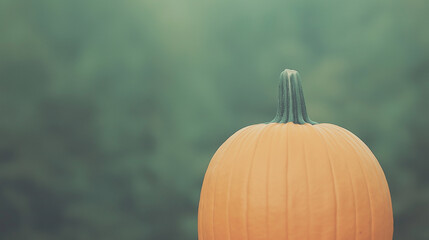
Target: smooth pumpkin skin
{"type": "Point", "coordinates": [297, 182]}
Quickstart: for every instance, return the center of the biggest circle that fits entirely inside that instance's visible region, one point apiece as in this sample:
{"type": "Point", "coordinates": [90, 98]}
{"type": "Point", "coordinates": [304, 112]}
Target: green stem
{"type": "Point", "coordinates": [291, 100]}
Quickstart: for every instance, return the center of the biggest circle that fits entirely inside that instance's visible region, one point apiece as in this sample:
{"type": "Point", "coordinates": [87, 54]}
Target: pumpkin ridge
{"type": "Point", "coordinates": [378, 172]}
{"type": "Point", "coordinates": [243, 138]}
{"type": "Point", "coordinates": [228, 196]}
{"type": "Point", "coordinates": [267, 210]}
{"type": "Point", "coordinates": [258, 138]}
{"type": "Point", "coordinates": [287, 180]}
{"type": "Point", "coordinates": [352, 146]}
{"type": "Point", "coordinates": [330, 135]}
{"type": "Point", "coordinates": [227, 147]}
{"type": "Point", "coordinates": [307, 176]}
{"type": "Point", "coordinates": [323, 138]}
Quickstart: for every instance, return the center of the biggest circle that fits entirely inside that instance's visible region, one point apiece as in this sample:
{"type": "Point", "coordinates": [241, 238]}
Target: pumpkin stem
{"type": "Point", "coordinates": [291, 100]}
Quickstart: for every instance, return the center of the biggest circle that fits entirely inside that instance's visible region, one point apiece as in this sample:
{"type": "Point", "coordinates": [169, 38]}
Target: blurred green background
{"type": "Point", "coordinates": [111, 110]}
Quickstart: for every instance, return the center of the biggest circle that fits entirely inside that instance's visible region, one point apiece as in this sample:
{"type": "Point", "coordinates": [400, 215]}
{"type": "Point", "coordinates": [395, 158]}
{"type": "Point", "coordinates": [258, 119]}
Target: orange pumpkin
{"type": "Point", "coordinates": [294, 179]}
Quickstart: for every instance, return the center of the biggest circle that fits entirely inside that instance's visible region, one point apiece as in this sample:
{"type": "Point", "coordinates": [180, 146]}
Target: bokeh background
{"type": "Point", "coordinates": [111, 110]}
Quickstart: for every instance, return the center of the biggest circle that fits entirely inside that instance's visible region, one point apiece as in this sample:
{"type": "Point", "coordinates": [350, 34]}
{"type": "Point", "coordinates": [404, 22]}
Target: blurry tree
{"type": "Point", "coordinates": [111, 110]}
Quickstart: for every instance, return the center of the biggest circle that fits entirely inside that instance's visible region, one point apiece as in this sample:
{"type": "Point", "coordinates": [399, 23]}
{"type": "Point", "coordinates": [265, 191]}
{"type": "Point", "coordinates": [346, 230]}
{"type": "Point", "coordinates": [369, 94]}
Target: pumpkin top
{"type": "Point", "coordinates": [291, 100]}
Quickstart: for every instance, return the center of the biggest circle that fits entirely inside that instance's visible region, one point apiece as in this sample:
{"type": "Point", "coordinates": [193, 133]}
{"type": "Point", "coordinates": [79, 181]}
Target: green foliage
{"type": "Point", "coordinates": [111, 110]}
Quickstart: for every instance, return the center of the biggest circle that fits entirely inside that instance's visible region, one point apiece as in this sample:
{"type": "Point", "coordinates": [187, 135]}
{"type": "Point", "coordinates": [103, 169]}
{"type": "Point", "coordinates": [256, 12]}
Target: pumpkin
{"type": "Point", "coordinates": [294, 179]}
